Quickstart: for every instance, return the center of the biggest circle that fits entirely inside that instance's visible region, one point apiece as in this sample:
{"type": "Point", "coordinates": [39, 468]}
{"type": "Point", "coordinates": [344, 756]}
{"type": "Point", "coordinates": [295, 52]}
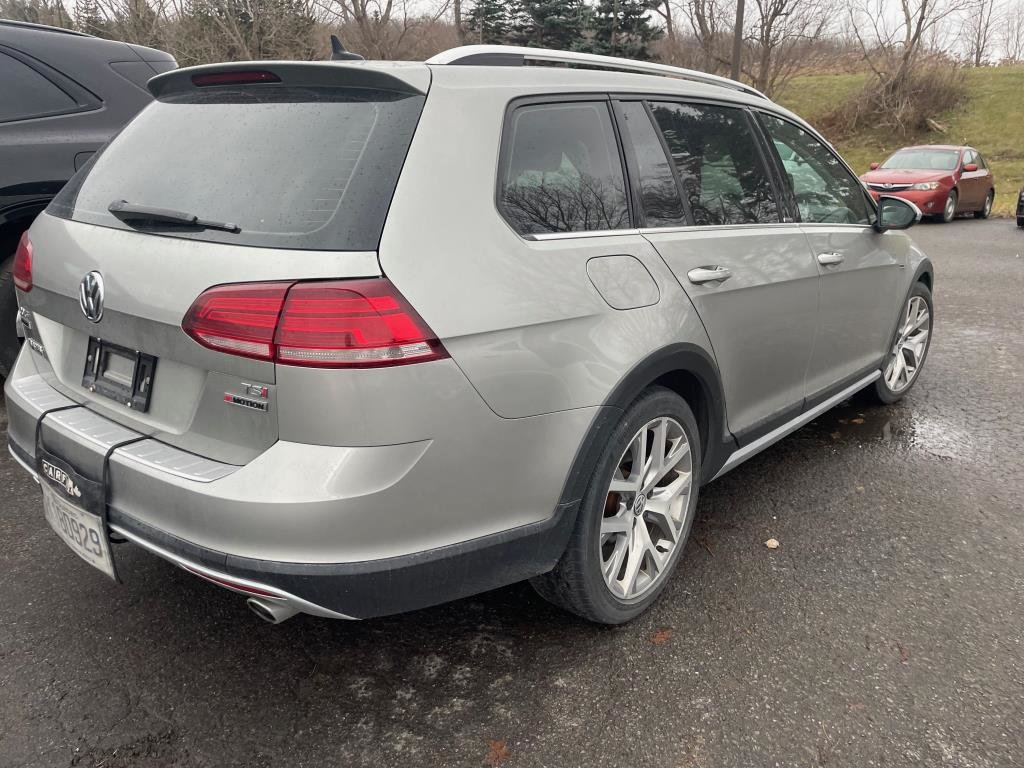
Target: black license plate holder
{"type": "Point", "coordinates": [121, 374]}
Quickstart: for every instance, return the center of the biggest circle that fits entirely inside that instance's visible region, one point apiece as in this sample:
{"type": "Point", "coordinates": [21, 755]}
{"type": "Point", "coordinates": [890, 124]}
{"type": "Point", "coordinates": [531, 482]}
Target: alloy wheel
{"type": "Point", "coordinates": [950, 210]}
{"type": "Point", "coordinates": [910, 347]}
{"type": "Point", "coordinates": [646, 508]}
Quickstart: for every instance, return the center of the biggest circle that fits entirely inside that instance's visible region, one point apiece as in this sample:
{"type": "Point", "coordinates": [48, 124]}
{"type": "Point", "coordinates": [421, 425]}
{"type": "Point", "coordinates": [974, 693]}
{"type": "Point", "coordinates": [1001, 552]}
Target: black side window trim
{"type": "Point", "coordinates": [756, 115]}
{"type": "Point", "coordinates": [84, 99]}
{"type": "Point", "coordinates": [505, 152]}
{"type": "Point", "coordinates": [633, 167]}
{"type": "Point", "coordinates": [756, 132]}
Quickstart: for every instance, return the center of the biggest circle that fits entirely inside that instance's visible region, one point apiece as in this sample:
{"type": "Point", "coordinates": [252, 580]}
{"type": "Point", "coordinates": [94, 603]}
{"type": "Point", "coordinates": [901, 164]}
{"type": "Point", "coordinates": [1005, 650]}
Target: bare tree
{"type": "Point", "coordinates": [780, 42]}
{"type": "Point", "coordinates": [980, 29]}
{"type": "Point", "coordinates": [1012, 37]}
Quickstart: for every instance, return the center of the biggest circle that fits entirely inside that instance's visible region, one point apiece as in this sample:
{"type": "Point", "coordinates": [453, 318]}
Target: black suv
{"type": "Point", "coordinates": [64, 95]}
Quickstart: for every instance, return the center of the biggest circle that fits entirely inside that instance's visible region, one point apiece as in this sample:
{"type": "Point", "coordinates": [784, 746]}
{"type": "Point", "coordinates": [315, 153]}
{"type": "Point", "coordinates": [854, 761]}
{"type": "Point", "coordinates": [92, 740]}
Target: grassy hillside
{"type": "Point", "coordinates": [992, 120]}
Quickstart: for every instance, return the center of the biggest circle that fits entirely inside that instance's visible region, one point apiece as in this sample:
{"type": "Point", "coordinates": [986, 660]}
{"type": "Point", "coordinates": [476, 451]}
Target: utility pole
{"type": "Point", "coordinates": [737, 41]}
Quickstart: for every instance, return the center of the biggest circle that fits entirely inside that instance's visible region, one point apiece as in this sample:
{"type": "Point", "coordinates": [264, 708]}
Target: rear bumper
{"type": "Point", "coordinates": [297, 498]}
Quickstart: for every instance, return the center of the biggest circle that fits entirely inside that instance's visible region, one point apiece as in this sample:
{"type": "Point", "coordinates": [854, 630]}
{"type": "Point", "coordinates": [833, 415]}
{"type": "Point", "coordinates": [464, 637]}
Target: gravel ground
{"type": "Point", "coordinates": [885, 630]}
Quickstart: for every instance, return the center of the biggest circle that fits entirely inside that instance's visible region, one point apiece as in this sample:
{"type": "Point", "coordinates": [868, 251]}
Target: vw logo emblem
{"type": "Point", "coordinates": [640, 504]}
{"type": "Point", "coordinates": [90, 296]}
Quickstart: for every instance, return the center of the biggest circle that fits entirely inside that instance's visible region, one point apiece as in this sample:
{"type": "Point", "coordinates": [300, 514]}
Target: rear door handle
{"type": "Point", "coordinates": [829, 259]}
{"type": "Point", "coordinates": [709, 275]}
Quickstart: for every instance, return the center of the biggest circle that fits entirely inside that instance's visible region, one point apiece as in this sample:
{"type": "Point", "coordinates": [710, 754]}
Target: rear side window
{"type": "Point", "coordinates": [715, 152]}
{"type": "Point", "coordinates": [562, 171]}
{"type": "Point", "coordinates": [663, 207]}
{"type": "Point", "coordinates": [293, 167]}
{"type": "Point", "coordinates": [26, 93]}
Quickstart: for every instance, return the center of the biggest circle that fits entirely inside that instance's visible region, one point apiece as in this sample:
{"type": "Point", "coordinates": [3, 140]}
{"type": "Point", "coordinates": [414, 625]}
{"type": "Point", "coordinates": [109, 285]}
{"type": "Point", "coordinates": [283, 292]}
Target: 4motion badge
{"type": "Point", "coordinates": [256, 397]}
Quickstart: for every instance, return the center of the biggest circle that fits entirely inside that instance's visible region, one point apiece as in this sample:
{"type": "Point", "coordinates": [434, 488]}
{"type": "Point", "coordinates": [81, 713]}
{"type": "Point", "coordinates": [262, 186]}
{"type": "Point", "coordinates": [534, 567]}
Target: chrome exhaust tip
{"type": "Point", "coordinates": [271, 611]}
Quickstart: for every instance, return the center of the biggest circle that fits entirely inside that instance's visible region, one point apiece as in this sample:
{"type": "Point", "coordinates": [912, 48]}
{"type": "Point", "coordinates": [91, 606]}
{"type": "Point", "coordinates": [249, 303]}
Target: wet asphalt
{"type": "Point", "coordinates": [887, 629]}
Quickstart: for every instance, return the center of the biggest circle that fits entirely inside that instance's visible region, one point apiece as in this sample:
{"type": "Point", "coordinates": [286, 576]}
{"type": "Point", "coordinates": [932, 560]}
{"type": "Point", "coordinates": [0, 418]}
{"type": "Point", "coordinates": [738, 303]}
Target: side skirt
{"type": "Point", "coordinates": [752, 449]}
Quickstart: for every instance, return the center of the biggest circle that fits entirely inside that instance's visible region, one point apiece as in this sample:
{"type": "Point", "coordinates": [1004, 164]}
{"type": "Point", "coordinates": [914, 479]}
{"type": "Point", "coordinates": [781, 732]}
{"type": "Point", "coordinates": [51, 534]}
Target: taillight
{"type": "Point", "coordinates": [238, 319]}
{"type": "Point", "coordinates": [23, 264]}
{"type": "Point", "coordinates": [328, 324]}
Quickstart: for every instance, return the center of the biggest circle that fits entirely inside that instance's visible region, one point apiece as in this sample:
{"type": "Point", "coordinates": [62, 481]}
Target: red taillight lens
{"type": "Point", "coordinates": [235, 78]}
{"type": "Point", "coordinates": [23, 264]}
{"type": "Point", "coordinates": [238, 319]}
{"type": "Point", "coordinates": [335, 324]}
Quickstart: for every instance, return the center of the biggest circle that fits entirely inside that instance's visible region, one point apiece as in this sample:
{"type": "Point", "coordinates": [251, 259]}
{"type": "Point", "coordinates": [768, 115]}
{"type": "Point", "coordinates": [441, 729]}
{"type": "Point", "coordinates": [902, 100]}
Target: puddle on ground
{"type": "Point", "coordinates": [896, 425]}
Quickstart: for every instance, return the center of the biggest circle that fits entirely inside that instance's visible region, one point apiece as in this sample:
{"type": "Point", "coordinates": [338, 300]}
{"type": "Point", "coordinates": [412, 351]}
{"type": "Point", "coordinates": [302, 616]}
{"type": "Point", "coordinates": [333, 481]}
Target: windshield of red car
{"type": "Point", "coordinates": [923, 160]}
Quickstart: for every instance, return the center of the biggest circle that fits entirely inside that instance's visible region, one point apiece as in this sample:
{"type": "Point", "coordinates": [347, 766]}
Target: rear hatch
{"type": "Point", "coordinates": [290, 169]}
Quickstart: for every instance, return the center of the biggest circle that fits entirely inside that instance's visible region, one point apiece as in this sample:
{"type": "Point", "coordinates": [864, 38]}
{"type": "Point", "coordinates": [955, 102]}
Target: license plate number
{"type": "Point", "coordinates": [80, 529]}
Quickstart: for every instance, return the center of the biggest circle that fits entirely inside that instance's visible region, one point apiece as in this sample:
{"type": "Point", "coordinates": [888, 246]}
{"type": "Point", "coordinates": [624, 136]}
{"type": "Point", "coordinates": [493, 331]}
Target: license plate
{"type": "Point", "coordinates": [80, 529]}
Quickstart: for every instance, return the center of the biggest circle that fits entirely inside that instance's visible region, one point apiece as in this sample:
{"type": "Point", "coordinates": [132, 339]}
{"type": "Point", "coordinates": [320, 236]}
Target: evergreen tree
{"type": "Point", "coordinates": [557, 24]}
{"type": "Point", "coordinates": [622, 28]}
{"type": "Point", "coordinates": [489, 22]}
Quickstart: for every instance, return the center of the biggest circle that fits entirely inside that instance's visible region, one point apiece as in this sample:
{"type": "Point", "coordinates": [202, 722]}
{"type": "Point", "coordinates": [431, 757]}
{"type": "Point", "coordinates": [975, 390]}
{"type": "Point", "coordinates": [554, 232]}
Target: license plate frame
{"type": "Point", "coordinates": [73, 508]}
{"type": "Point", "coordinates": [119, 373]}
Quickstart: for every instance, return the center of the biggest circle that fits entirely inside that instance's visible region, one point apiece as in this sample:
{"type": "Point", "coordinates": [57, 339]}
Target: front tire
{"type": "Point", "coordinates": [949, 209]}
{"type": "Point", "coordinates": [909, 349]}
{"type": "Point", "coordinates": [635, 515]}
{"type": "Point", "coordinates": [986, 209]}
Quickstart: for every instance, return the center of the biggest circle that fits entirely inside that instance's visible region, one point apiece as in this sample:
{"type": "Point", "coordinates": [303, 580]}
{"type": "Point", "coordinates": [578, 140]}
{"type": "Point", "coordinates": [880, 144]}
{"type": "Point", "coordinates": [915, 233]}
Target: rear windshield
{"type": "Point", "coordinates": [307, 168]}
{"type": "Point", "coordinates": [923, 160]}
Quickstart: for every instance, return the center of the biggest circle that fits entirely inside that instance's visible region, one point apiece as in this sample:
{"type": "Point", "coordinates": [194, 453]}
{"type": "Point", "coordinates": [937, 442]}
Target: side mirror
{"type": "Point", "coordinates": [896, 213]}
{"type": "Point", "coordinates": [875, 166]}
{"type": "Point", "coordinates": [970, 168]}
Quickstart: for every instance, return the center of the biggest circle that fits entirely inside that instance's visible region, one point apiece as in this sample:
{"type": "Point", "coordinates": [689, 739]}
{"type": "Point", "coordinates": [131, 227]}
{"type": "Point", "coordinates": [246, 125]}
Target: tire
{"type": "Point", "coordinates": [578, 583]}
{"type": "Point", "coordinates": [949, 209]}
{"type": "Point", "coordinates": [1020, 222]}
{"type": "Point", "coordinates": [986, 208]}
{"type": "Point", "coordinates": [9, 341]}
{"type": "Point", "coordinates": [891, 389]}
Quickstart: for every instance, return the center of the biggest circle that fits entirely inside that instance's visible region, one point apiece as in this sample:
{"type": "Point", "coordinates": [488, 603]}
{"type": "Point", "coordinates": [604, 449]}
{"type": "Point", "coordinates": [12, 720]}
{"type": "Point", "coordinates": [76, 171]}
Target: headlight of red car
{"type": "Point", "coordinates": [925, 185]}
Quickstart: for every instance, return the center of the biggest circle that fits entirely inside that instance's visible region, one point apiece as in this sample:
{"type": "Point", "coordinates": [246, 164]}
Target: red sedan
{"type": "Point", "coordinates": [939, 179]}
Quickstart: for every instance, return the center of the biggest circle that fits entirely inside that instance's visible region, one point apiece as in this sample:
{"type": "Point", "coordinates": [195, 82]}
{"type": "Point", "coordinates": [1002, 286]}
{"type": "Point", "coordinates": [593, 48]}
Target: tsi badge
{"type": "Point", "coordinates": [61, 477]}
{"type": "Point", "coordinates": [256, 397]}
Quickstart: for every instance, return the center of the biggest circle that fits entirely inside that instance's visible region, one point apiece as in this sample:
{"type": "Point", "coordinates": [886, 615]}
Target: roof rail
{"type": "Point", "coordinates": [41, 27]}
{"type": "Point", "coordinates": [512, 55]}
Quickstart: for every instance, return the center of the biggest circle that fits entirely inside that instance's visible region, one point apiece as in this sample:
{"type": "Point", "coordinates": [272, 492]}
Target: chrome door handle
{"type": "Point", "coordinates": [830, 259]}
{"type": "Point", "coordinates": [709, 275]}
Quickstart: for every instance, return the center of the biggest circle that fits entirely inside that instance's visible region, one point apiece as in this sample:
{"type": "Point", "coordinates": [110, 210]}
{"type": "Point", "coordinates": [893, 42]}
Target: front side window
{"type": "Point", "coordinates": [824, 190]}
{"type": "Point", "coordinates": [562, 172]}
{"type": "Point", "coordinates": [723, 176]}
{"type": "Point", "coordinates": [663, 207]}
{"type": "Point", "coordinates": [26, 93]}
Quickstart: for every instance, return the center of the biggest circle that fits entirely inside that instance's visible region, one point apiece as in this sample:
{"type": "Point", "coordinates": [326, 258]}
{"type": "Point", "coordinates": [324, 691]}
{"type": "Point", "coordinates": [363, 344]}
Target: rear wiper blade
{"type": "Point", "coordinates": [131, 212]}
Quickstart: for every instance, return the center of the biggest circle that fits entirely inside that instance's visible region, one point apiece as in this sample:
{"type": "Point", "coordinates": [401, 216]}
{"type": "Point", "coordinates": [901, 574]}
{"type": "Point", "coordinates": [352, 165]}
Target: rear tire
{"type": "Point", "coordinates": [909, 348]}
{"type": "Point", "coordinates": [986, 209]}
{"type": "Point", "coordinates": [9, 341]}
{"type": "Point", "coordinates": [631, 528]}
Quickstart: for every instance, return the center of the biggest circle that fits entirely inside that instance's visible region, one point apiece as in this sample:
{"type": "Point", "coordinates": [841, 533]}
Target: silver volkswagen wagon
{"type": "Point", "coordinates": [355, 338]}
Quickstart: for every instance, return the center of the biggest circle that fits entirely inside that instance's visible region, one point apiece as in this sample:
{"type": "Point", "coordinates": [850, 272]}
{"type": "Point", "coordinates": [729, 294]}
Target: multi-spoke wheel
{"type": "Point", "coordinates": [645, 508]}
{"type": "Point", "coordinates": [635, 517]}
{"type": "Point", "coordinates": [949, 209]}
{"type": "Point", "coordinates": [909, 347]}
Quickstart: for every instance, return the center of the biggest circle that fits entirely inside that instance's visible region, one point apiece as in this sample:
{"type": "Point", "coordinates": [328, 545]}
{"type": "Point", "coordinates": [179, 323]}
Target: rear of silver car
{"type": "Point", "coordinates": [217, 370]}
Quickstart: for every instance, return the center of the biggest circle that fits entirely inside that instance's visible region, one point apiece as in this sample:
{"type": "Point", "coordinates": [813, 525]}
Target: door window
{"type": "Point", "coordinates": [659, 193]}
{"type": "Point", "coordinates": [721, 171]}
{"type": "Point", "coordinates": [824, 189]}
{"type": "Point", "coordinates": [26, 93]}
{"type": "Point", "coordinates": [563, 172]}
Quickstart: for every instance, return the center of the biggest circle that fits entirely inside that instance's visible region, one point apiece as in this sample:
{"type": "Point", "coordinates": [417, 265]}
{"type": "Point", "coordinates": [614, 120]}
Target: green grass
{"type": "Point", "coordinates": [992, 120]}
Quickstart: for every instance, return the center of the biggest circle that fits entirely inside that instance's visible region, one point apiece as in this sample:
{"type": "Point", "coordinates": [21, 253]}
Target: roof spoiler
{"type": "Point", "coordinates": [295, 73]}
